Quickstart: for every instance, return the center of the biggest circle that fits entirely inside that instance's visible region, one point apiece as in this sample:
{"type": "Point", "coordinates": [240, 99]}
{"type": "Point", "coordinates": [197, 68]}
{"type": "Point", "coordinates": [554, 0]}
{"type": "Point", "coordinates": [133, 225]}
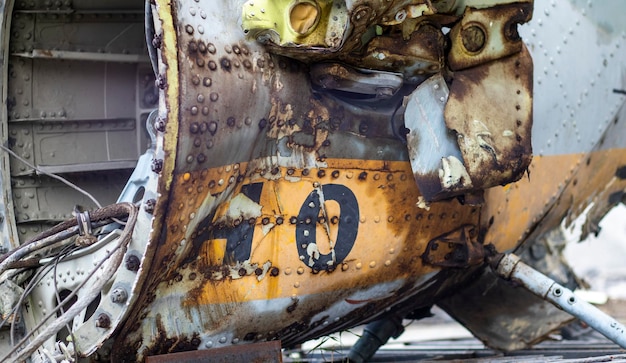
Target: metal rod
{"type": "Point", "coordinates": [511, 268]}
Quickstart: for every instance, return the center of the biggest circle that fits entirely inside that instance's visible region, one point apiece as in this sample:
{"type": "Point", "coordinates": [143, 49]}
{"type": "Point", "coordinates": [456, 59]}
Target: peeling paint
{"type": "Point", "coordinates": [486, 104]}
{"type": "Point", "coordinates": [422, 203]}
{"type": "Point", "coordinates": [313, 252]}
{"type": "Point", "coordinates": [241, 206]}
{"type": "Point", "coordinates": [267, 228]}
{"type": "Point", "coordinates": [453, 175]}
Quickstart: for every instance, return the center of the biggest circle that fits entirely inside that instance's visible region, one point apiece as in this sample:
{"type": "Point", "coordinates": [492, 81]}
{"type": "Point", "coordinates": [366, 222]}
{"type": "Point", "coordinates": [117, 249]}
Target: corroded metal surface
{"type": "Point", "coordinates": [274, 238]}
{"type": "Point", "coordinates": [490, 109]}
{"type": "Point", "coordinates": [290, 214]}
{"type": "Point", "coordinates": [485, 35]}
{"type": "Point", "coordinates": [433, 150]}
{"type": "Point", "coordinates": [316, 164]}
{"type": "Point", "coordinates": [495, 311]}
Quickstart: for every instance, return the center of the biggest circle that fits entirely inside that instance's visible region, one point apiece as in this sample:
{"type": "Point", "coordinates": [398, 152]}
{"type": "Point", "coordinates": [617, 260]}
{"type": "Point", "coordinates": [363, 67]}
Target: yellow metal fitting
{"type": "Point", "coordinates": [287, 22]}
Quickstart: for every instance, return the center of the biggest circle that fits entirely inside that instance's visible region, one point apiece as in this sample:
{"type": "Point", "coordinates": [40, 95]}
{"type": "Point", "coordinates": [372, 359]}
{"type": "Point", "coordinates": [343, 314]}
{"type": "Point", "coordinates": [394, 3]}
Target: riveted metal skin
{"type": "Point", "coordinates": [225, 251]}
{"type": "Point", "coordinates": [484, 35]}
{"type": "Point", "coordinates": [283, 203]}
{"type": "Point", "coordinates": [490, 110]}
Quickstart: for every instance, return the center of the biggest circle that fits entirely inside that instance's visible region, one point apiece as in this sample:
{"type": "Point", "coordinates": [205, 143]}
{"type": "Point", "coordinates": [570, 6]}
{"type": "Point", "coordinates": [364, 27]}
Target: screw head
{"type": "Point", "coordinates": [157, 165]}
{"type": "Point", "coordinates": [119, 295]}
{"type": "Point", "coordinates": [159, 125]}
{"type": "Point", "coordinates": [132, 263]}
{"type": "Point", "coordinates": [149, 206]}
{"type": "Point", "coordinates": [103, 321]}
{"type": "Point", "coordinates": [160, 82]}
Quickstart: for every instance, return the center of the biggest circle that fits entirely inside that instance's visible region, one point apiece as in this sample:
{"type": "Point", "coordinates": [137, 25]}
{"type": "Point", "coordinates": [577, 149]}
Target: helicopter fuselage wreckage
{"type": "Point", "coordinates": [311, 165]}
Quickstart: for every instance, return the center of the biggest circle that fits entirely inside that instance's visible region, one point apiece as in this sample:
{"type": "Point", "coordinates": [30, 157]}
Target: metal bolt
{"type": "Point", "coordinates": [274, 271]}
{"type": "Point", "coordinates": [401, 15]}
{"type": "Point", "coordinates": [160, 82]}
{"type": "Point", "coordinates": [149, 206]}
{"type": "Point", "coordinates": [132, 263]}
{"type": "Point", "coordinates": [195, 127]}
{"type": "Point", "coordinates": [159, 125]}
{"type": "Point", "coordinates": [157, 40]}
{"type": "Point", "coordinates": [157, 165]}
{"type": "Point", "coordinates": [473, 38]}
{"type": "Point", "coordinates": [103, 321]}
{"type": "Point", "coordinates": [119, 295]}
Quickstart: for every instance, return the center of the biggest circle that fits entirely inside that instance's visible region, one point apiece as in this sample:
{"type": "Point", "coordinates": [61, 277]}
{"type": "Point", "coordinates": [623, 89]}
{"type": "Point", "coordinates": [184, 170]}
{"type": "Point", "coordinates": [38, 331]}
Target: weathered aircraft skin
{"type": "Point", "coordinates": [300, 229]}
{"type": "Point", "coordinates": [316, 165]}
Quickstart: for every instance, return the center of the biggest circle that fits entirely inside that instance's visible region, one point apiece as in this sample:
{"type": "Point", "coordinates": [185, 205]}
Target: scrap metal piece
{"type": "Point", "coordinates": [418, 55]}
{"type": "Point", "coordinates": [510, 267]}
{"type": "Point", "coordinates": [501, 315]}
{"type": "Point", "coordinates": [458, 248]}
{"type": "Point", "coordinates": [322, 29]}
{"type": "Point", "coordinates": [257, 352]}
{"type": "Point", "coordinates": [289, 23]}
{"type": "Point", "coordinates": [335, 76]}
{"type": "Point", "coordinates": [484, 35]}
{"type": "Point", "coordinates": [490, 109]}
{"type": "Point", "coordinates": [433, 151]}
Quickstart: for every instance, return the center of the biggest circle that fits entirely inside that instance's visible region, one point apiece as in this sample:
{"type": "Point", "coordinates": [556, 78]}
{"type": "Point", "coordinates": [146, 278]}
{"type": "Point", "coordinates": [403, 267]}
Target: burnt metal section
{"type": "Point", "coordinates": [334, 76]}
{"type": "Point", "coordinates": [264, 352]}
{"type": "Point", "coordinates": [459, 249]}
{"type": "Point", "coordinates": [485, 35]}
{"type": "Point", "coordinates": [390, 36]}
{"type": "Point", "coordinates": [238, 115]}
{"type": "Point", "coordinates": [497, 312]}
{"type": "Point", "coordinates": [417, 54]}
{"type": "Point", "coordinates": [490, 110]}
{"type": "Point", "coordinates": [510, 267]}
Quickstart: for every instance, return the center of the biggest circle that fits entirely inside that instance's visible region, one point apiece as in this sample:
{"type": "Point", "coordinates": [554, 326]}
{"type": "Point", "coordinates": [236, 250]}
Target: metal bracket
{"type": "Point", "coordinates": [510, 267]}
{"type": "Point", "coordinates": [458, 248]}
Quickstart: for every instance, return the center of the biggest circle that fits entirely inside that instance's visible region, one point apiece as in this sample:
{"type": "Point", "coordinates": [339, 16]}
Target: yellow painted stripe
{"type": "Point", "coordinates": [392, 231]}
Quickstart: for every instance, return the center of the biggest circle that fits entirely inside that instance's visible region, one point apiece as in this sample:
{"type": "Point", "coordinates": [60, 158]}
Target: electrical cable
{"type": "Point", "coordinates": [57, 233]}
{"type": "Point", "coordinates": [54, 176]}
{"type": "Point", "coordinates": [115, 256]}
{"type": "Point", "coordinates": [58, 296]}
{"type": "Point", "coordinates": [31, 286]}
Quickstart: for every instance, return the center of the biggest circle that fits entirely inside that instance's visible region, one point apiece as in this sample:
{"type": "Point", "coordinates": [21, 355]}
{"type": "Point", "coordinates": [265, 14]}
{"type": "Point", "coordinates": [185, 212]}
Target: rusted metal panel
{"type": "Point", "coordinates": [490, 109]}
{"type": "Point", "coordinates": [275, 202]}
{"type": "Point", "coordinates": [484, 35]}
{"type": "Point", "coordinates": [416, 54]}
{"type": "Point", "coordinates": [459, 249]}
{"type": "Point", "coordinates": [266, 352]}
{"type": "Point", "coordinates": [276, 196]}
{"type": "Point", "coordinates": [311, 236]}
{"type": "Point", "coordinates": [502, 316]}
{"type": "Point", "coordinates": [321, 30]}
